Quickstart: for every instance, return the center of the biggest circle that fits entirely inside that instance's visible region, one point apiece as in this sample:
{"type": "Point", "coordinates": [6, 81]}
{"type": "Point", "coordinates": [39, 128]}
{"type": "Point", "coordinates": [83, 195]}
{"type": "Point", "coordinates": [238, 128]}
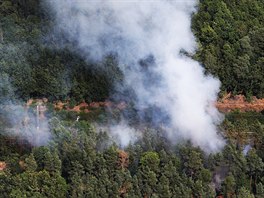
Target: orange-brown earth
{"type": "Point", "coordinates": [83, 106]}
{"type": "Point", "coordinates": [238, 102]}
{"type": "Point", "coordinates": [226, 104]}
{"type": "Point", "coordinates": [2, 166]}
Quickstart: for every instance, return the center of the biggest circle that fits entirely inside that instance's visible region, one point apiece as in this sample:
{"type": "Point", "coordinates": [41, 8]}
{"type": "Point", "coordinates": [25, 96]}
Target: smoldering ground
{"type": "Point", "coordinates": [174, 84]}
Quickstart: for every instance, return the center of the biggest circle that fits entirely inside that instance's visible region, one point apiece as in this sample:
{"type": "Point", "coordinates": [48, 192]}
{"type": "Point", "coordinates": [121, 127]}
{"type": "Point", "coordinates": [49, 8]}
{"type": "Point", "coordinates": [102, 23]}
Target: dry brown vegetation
{"type": "Point", "coordinates": [2, 166]}
{"type": "Point", "coordinates": [123, 157]}
{"type": "Point", "coordinates": [226, 104]}
{"type": "Point", "coordinates": [83, 106]}
{"type": "Point", "coordinates": [239, 102]}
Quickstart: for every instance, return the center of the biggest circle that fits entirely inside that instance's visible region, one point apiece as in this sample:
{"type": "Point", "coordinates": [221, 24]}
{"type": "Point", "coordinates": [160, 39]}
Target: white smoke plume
{"type": "Point", "coordinates": [18, 121]}
{"type": "Point", "coordinates": [124, 134]}
{"type": "Point", "coordinates": [158, 30]}
{"type": "Point", "coordinates": [120, 133]}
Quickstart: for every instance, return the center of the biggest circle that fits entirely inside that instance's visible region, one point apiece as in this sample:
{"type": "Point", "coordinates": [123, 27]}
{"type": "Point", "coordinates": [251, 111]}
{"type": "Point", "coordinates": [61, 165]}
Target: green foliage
{"type": "Point", "coordinates": [229, 185]}
{"type": "Point", "coordinates": [259, 190]}
{"type": "Point", "coordinates": [230, 36]}
{"type": "Point", "coordinates": [244, 193]}
{"type": "Point", "coordinates": [38, 184]}
{"type": "Point", "coordinates": [81, 162]}
{"type": "Point", "coordinates": [30, 163]}
{"type": "Point", "coordinates": [151, 160]}
{"type": "Point", "coordinates": [31, 65]}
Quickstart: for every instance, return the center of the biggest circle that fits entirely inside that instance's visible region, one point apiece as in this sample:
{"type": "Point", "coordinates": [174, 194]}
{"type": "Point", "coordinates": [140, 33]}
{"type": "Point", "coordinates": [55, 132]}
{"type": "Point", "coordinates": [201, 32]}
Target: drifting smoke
{"type": "Point", "coordinates": [24, 124]}
{"type": "Point", "coordinates": [155, 33]}
{"type": "Point", "coordinates": [124, 134]}
{"type": "Point", "coordinates": [17, 120]}
{"type": "Point", "coordinates": [246, 149]}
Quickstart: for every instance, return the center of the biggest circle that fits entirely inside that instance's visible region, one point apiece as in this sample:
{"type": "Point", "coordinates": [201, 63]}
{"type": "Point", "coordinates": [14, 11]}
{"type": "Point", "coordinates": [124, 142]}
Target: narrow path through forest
{"type": "Point", "coordinates": [226, 104]}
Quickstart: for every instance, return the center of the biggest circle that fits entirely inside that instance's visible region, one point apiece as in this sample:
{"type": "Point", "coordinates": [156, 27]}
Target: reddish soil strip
{"type": "Point", "coordinates": [226, 104]}
{"type": "Point", "coordinates": [83, 106]}
{"type": "Point", "coordinates": [2, 166]}
{"type": "Point", "coordinates": [239, 102]}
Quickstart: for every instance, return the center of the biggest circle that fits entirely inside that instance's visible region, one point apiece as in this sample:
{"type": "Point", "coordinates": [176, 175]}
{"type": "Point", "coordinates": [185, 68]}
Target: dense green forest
{"type": "Point", "coordinates": [31, 67]}
{"type": "Point", "coordinates": [230, 35]}
{"type": "Point", "coordinates": [80, 161]}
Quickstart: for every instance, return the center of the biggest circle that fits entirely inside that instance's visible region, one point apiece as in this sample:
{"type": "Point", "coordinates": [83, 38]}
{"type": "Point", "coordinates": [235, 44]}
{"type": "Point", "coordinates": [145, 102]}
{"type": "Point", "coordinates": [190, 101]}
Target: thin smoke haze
{"type": "Point", "coordinates": [24, 124]}
{"type": "Point", "coordinates": [20, 121]}
{"type": "Point", "coordinates": [156, 32]}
